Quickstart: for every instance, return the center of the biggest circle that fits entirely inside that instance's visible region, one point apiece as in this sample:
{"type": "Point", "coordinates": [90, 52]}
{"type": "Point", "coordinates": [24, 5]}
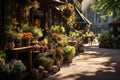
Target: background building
{"type": "Point", "coordinates": [99, 24]}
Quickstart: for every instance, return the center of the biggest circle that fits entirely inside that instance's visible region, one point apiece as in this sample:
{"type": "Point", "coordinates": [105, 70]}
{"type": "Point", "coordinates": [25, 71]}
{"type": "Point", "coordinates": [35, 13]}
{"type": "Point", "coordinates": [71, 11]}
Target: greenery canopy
{"type": "Point", "coordinates": [107, 8]}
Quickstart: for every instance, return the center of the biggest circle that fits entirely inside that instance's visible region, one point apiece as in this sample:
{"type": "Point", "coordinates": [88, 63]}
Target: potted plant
{"type": "Point", "coordinates": [80, 47]}
{"type": "Point", "coordinates": [18, 39]}
{"type": "Point", "coordinates": [59, 54]}
{"type": "Point", "coordinates": [57, 29]}
{"type": "Point", "coordinates": [46, 62]}
{"type": "Point", "coordinates": [69, 53]}
{"type": "Point", "coordinates": [36, 32]}
{"type": "Point", "coordinates": [15, 67]}
{"type": "Point", "coordinates": [26, 39]}
{"type": "Point", "coordinates": [10, 36]}
{"type": "Point", "coordinates": [2, 69]}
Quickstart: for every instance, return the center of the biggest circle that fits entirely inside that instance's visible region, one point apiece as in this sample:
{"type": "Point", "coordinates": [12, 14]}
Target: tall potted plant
{"type": "Point", "coordinates": [59, 54]}
{"type": "Point", "coordinates": [27, 36]}
{"type": "Point", "coordinates": [10, 36]}
{"type": "Point", "coordinates": [69, 53]}
{"type": "Point", "coordinates": [18, 39]}
{"type": "Point", "coordinates": [46, 62]}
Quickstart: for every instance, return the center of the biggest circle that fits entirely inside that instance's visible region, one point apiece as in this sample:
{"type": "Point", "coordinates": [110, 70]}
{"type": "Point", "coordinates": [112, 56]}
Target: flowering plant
{"type": "Point", "coordinates": [27, 35]}
{"type": "Point", "coordinates": [59, 52]}
{"type": "Point", "coordinates": [44, 47]}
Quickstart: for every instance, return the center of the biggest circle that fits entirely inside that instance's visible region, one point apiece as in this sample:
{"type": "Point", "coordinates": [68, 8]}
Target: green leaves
{"type": "Point", "coordinates": [107, 7]}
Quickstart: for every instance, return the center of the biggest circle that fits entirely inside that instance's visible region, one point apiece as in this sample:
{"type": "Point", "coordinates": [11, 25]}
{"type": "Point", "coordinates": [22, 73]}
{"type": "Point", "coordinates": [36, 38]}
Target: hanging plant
{"type": "Point", "coordinates": [68, 13]}
{"type": "Point", "coordinates": [28, 6]}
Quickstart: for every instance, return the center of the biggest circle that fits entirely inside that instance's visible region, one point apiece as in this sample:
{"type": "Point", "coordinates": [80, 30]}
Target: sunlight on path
{"type": "Point", "coordinates": [89, 63]}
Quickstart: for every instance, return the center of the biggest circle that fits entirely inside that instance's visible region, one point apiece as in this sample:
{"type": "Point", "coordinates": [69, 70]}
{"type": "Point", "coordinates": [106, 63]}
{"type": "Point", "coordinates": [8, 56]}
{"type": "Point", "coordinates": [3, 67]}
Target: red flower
{"type": "Point", "coordinates": [27, 35]}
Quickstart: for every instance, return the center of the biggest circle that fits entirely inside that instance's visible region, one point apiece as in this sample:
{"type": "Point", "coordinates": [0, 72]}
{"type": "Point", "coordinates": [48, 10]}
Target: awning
{"type": "Point", "coordinates": [83, 20]}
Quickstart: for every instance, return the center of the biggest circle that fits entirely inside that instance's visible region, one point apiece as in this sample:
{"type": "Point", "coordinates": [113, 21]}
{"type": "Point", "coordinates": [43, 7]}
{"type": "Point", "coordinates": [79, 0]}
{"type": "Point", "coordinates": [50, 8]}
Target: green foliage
{"type": "Point", "coordinates": [57, 29]}
{"type": "Point", "coordinates": [18, 36]}
{"type": "Point", "coordinates": [10, 35]}
{"type": "Point", "coordinates": [80, 44]}
{"type": "Point", "coordinates": [62, 43]}
{"type": "Point", "coordinates": [69, 50]}
{"type": "Point", "coordinates": [68, 13]}
{"type": "Point", "coordinates": [2, 64]}
{"type": "Point", "coordinates": [2, 54]}
{"type": "Point", "coordinates": [44, 61]}
{"type": "Point", "coordinates": [9, 30]}
{"type": "Point", "coordinates": [72, 34]}
{"type": "Point", "coordinates": [103, 36]}
{"type": "Point", "coordinates": [15, 66]}
{"type": "Point", "coordinates": [106, 36]}
{"type": "Point", "coordinates": [59, 52]}
{"type": "Point", "coordinates": [36, 32]}
{"type": "Point", "coordinates": [107, 7]}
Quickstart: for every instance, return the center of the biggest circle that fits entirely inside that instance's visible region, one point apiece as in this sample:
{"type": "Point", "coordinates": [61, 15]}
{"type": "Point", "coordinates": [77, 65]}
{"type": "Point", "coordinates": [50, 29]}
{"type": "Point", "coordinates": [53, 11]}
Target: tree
{"type": "Point", "coordinates": [107, 8]}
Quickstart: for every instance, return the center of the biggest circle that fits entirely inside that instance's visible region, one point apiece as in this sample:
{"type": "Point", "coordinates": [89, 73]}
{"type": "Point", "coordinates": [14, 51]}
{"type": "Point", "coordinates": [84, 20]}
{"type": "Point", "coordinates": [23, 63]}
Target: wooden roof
{"type": "Point", "coordinates": [52, 2]}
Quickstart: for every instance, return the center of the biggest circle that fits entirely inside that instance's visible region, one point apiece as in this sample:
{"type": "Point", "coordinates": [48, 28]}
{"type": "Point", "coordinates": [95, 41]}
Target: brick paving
{"type": "Point", "coordinates": [94, 64]}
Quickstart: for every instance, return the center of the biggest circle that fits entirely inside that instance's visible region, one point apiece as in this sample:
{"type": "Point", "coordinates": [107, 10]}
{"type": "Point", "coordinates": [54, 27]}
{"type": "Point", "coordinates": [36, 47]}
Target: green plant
{"type": "Point", "coordinates": [69, 50]}
{"type": "Point", "coordinates": [57, 29]}
{"type": "Point", "coordinates": [68, 13]}
{"type": "Point", "coordinates": [10, 36]}
{"type": "Point", "coordinates": [62, 43]}
{"type": "Point", "coordinates": [2, 54]}
{"type": "Point", "coordinates": [18, 36]}
{"type": "Point", "coordinates": [59, 52]}
{"type": "Point", "coordinates": [44, 61]}
{"type": "Point", "coordinates": [2, 65]}
{"type": "Point", "coordinates": [9, 30]}
{"type": "Point", "coordinates": [80, 44]}
{"type": "Point", "coordinates": [15, 66]}
{"type": "Point", "coordinates": [36, 32]}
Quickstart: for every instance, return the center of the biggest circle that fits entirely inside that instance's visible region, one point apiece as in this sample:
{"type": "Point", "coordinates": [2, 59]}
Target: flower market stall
{"type": "Point", "coordinates": [36, 42]}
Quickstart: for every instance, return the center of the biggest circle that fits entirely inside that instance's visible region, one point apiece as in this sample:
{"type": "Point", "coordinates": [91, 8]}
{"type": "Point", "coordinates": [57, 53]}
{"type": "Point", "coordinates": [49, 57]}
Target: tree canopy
{"type": "Point", "coordinates": [107, 8]}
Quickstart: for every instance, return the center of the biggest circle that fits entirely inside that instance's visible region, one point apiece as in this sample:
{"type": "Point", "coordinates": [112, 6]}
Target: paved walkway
{"type": "Point", "coordinates": [94, 64]}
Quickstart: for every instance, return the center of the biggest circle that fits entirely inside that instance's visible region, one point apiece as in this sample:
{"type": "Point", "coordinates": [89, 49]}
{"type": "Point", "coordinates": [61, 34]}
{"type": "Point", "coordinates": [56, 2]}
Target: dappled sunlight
{"type": "Point", "coordinates": [91, 52]}
{"type": "Point", "coordinates": [86, 65]}
{"type": "Point", "coordinates": [93, 64]}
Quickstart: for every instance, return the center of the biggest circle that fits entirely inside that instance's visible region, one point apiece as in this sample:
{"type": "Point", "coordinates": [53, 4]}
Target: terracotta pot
{"type": "Point", "coordinates": [10, 45]}
{"type": "Point", "coordinates": [68, 58]}
{"type": "Point", "coordinates": [26, 42]}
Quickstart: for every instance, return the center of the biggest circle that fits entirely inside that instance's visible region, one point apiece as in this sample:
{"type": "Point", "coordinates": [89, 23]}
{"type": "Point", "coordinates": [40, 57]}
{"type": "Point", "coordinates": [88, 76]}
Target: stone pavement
{"type": "Point", "coordinates": [94, 64]}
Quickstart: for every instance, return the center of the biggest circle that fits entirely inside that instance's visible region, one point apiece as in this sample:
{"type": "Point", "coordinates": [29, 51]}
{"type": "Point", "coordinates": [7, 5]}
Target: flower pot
{"type": "Point", "coordinates": [68, 58]}
{"type": "Point", "coordinates": [10, 45]}
{"type": "Point", "coordinates": [18, 43]}
{"type": "Point", "coordinates": [26, 42]}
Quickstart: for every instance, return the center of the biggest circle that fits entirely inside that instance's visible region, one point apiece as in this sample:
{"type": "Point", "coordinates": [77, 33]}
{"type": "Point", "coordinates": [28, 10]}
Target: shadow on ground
{"type": "Point", "coordinates": [109, 69]}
